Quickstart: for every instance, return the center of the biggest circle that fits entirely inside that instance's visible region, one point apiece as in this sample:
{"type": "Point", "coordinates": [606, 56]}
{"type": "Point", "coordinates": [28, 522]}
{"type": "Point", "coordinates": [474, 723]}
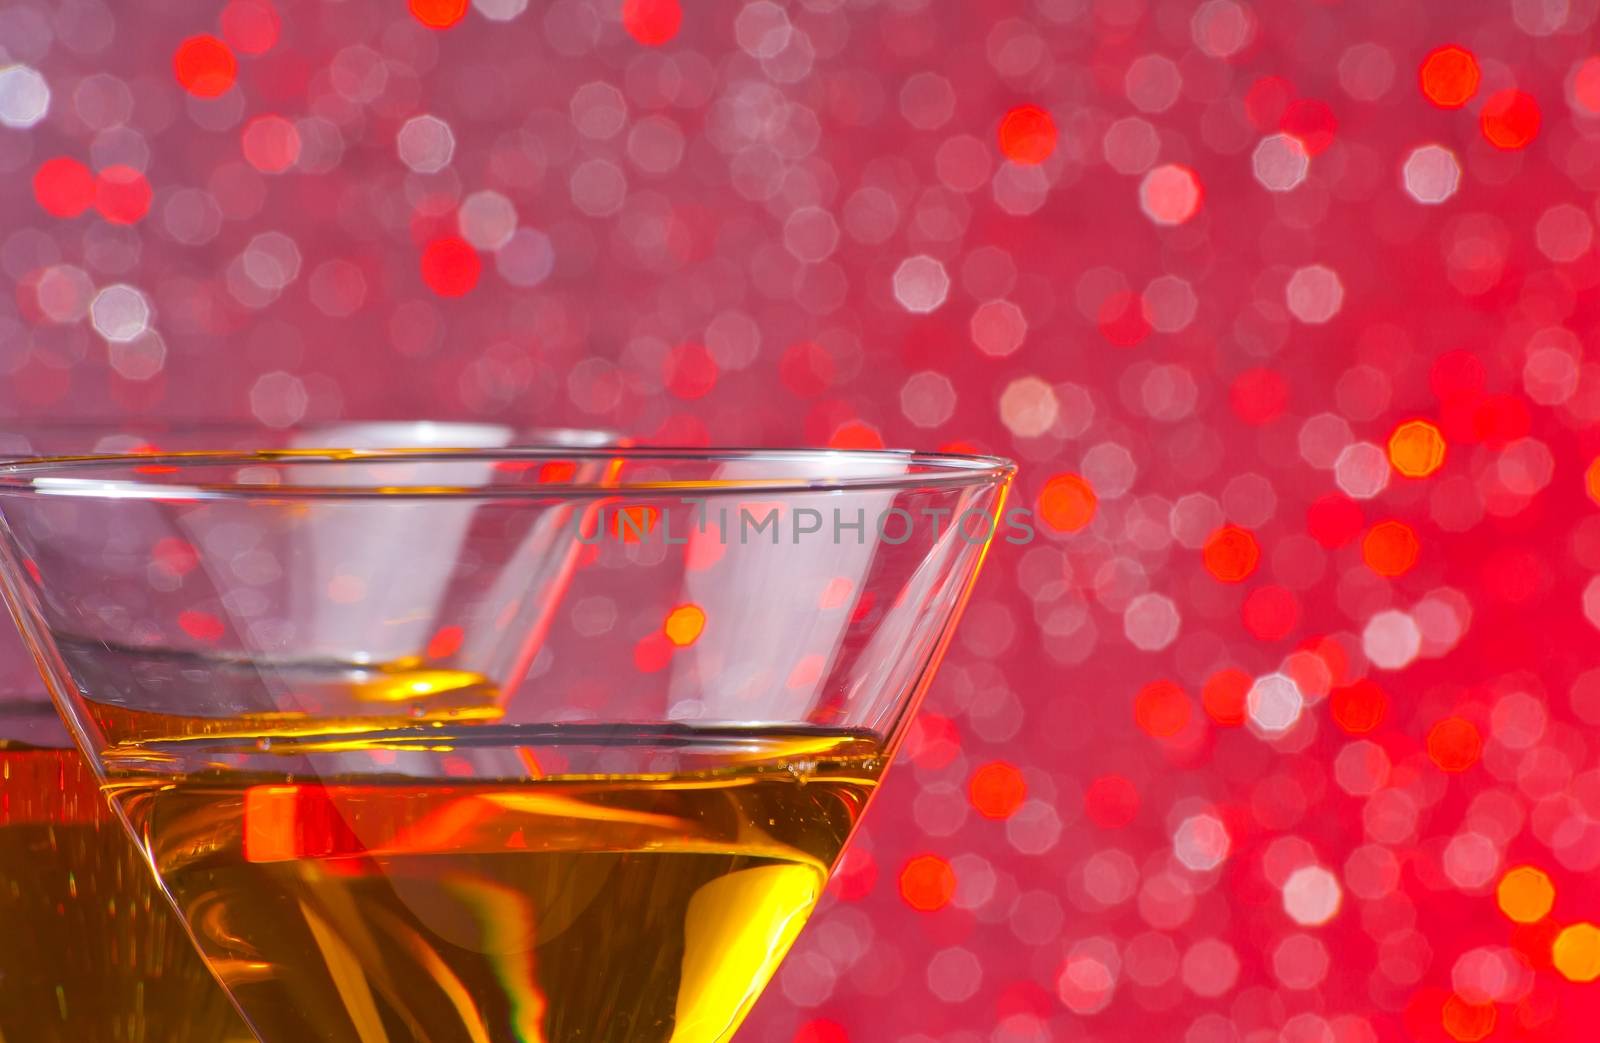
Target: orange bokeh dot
{"type": "Point", "coordinates": [63, 187]}
{"type": "Point", "coordinates": [1161, 709]}
{"type": "Point", "coordinates": [1067, 502]}
{"type": "Point", "coordinates": [997, 789]}
{"type": "Point", "coordinates": [1510, 119]}
{"type": "Point", "coordinates": [1576, 952]}
{"type": "Point", "coordinates": [1028, 135]}
{"type": "Point", "coordinates": [438, 14]}
{"type": "Point", "coordinates": [1467, 1022]}
{"type": "Point", "coordinates": [1591, 480]}
{"type": "Point", "coordinates": [1526, 895]}
{"type": "Point", "coordinates": [1416, 449]}
{"type": "Point", "coordinates": [927, 883]}
{"type": "Point", "coordinates": [652, 22]}
{"type": "Point", "coordinates": [1224, 695]}
{"type": "Point", "coordinates": [633, 523]}
{"type": "Point", "coordinates": [205, 67]}
{"type": "Point", "coordinates": [1454, 744]}
{"type": "Point", "coordinates": [450, 267]}
{"type": "Point", "coordinates": [1231, 554]}
{"type": "Point", "coordinates": [1450, 76]}
{"type": "Point", "coordinates": [554, 472]}
{"type": "Point", "coordinates": [1358, 708]}
{"type": "Point", "coordinates": [684, 624]}
{"type": "Point", "coordinates": [1390, 548]}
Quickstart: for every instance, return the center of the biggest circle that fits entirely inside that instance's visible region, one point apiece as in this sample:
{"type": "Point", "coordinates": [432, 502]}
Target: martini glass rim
{"type": "Point", "coordinates": [160, 476]}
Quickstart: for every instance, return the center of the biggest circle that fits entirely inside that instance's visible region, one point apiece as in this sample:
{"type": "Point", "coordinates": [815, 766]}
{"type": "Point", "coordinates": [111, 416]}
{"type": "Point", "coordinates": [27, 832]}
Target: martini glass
{"type": "Point", "coordinates": [616, 823]}
{"type": "Point", "coordinates": [92, 950]}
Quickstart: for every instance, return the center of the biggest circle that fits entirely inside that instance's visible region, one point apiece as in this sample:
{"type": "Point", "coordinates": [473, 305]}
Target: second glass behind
{"type": "Point", "coordinates": [93, 952]}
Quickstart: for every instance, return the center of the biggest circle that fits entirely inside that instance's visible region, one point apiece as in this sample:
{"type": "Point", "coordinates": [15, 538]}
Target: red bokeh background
{"type": "Point", "coordinates": [1280, 730]}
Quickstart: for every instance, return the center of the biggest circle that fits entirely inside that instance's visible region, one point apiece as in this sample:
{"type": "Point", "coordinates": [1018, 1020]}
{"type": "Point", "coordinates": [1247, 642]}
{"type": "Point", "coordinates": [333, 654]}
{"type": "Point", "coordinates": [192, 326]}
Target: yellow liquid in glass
{"type": "Point", "coordinates": [90, 951]}
{"type": "Point", "coordinates": [636, 907]}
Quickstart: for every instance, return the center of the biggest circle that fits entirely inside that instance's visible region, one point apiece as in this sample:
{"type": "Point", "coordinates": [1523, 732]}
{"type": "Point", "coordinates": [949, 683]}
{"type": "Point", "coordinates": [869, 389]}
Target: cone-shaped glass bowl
{"type": "Point", "coordinates": [91, 950]}
{"type": "Point", "coordinates": [396, 798]}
